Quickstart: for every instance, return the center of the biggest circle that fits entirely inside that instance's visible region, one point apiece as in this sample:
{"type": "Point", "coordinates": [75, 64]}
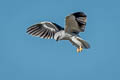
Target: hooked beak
{"type": "Point", "coordinates": [57, 39]}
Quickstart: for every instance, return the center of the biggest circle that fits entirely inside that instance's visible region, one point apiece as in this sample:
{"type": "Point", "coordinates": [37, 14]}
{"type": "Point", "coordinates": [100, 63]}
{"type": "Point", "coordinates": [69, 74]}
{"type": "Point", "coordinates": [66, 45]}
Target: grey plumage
{"type": "Point", "coordinates": [75, 23]}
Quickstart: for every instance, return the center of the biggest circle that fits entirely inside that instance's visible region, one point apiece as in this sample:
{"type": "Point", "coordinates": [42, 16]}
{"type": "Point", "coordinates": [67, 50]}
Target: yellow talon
{"type": "Point", "coordinates": [79, 49]}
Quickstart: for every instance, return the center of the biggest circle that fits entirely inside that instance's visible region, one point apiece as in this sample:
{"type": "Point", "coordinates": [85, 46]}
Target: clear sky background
{"type": "Point", "coordinates": [23, 57]}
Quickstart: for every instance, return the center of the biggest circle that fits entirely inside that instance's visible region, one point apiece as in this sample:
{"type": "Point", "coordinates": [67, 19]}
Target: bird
{"type": "Point", "coordinates": [74, 24]}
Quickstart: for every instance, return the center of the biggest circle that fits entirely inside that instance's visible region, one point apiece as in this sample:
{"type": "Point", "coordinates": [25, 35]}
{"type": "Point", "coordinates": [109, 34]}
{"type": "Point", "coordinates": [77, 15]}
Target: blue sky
{"type": "Point", "coordinates": [23, 57]}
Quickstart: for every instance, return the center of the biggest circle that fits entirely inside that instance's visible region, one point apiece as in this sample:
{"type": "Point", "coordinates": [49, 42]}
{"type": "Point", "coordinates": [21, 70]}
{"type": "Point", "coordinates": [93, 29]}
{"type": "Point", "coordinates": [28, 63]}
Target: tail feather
{"type": "Point", "coordinates": [84, 43]}
{"type": "Point", "coordinates": [77, 41]}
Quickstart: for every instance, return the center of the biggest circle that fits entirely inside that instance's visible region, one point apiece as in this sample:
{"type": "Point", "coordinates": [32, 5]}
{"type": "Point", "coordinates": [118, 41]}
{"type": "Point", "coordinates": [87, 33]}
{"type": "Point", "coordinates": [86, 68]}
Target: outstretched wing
{"type": "Point", "coordinates": [44, 29]}
{"type": "Point", "coordinates": [75, 22]}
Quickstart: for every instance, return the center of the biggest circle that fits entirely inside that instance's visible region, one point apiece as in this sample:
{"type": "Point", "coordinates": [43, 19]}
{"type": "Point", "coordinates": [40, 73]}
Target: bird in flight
{"type": "Point", "coordinates": [74, 23]}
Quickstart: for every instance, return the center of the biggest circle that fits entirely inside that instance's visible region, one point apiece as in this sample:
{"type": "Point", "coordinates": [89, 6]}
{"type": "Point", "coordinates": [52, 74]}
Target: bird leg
{"type": "Point", "coordinates": [79, 49]}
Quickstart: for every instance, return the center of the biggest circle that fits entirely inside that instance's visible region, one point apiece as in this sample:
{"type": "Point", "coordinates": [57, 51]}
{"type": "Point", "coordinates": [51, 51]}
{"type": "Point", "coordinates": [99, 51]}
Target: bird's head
{"type": "Point", "coordinates": [57, 36]}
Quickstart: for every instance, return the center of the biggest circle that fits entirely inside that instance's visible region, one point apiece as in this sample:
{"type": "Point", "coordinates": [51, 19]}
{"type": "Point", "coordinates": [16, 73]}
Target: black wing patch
{"type": "Point", "coordinates": [80, 18]}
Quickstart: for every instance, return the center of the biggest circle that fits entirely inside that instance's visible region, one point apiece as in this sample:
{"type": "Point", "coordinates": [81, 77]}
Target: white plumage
{"type": "Point", "coordinates": [75, 23]}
